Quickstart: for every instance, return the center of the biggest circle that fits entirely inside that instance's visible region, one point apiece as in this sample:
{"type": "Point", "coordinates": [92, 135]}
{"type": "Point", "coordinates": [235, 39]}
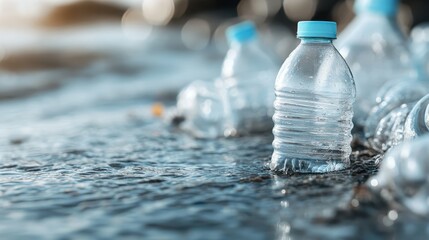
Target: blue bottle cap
{"type": "Point", "coordinates": [387, 7]}
{"type": "Point", "coordinates": [241, 32]}
{"type": "Point", "coordinates": [317, 29]}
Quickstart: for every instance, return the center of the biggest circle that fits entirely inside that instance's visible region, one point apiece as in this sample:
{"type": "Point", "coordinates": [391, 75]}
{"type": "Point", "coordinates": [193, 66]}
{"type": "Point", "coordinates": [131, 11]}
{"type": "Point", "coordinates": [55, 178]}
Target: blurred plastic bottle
{"type": "Point", "coordinates": [201, 106]}
{"type": "Point", "coordinates": [419, 43]}
{"type": "Point", "coordinates": [241, 101]}
{"type": "Point", "coordinates": [384, 126]}
{"type": "Point", "coordinates": [315, 92]}
{"type": "Point", "coordinates": [247, 82]}
{"type": "Point", "coordinates": [376, 51]}
{"type": "Point", "coordinates": [404, 176]}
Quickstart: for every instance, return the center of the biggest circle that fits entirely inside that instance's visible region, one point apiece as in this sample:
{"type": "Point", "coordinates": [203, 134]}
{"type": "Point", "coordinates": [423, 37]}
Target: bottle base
{"type": "Point", "coordinates": [288, 165]}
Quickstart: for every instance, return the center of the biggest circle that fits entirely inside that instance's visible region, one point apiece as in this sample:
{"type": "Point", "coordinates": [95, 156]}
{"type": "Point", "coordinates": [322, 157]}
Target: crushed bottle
{"type": "Point", "coordinates": [393, 100]}
{"type": "Point", "coordinates": [406, 122]}
{"type": "Point", "coordinates": [390, 130]}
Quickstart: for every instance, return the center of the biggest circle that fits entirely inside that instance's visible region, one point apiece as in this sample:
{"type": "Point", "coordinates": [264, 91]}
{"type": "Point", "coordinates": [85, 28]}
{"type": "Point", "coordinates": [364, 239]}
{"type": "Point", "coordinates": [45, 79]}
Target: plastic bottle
{"type": "Point", "coordinates": [403, 176]}
{"type": "Point", "coordinates": [395, 97]}
{"type": "Point", "coordinates": [406, 122]}
{"type": "Point", "coordinates": [384, 126]}
{"type": "Point", "coordinates": [247, 82]}
{"type": "Point", "coordinates": [313, 114]}
{"type": "Point", "coordinates": [376, 52]}
{"type": "Point", "coordinates": [391, 97]}
{"type": "Point", "coordinates": [238, 103]}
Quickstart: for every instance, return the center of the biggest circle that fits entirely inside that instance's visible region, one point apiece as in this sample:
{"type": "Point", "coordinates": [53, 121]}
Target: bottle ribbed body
{"type": "Point", "coordinates": [312, 131]}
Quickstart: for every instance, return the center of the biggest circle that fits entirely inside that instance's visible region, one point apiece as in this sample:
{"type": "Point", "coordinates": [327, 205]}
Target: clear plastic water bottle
{"type": "Point", "coordinates": [247, 82]}
{"type": "Point", "coordinates": [376, 52]}
{"type": "Point", "coordinates": [403, 176]}
{"type": "Point", "coordinates": [313, 114]}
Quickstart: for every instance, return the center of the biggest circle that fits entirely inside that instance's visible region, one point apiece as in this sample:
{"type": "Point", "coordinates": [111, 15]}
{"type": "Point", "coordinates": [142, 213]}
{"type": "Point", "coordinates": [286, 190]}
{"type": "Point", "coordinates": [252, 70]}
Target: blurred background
{"type": "Point", "coordinates": [45, 43]}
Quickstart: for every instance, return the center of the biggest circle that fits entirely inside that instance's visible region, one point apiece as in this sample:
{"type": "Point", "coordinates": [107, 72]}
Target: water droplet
{"type": "Point", "coordinates": [393, 215]}
{"type": "Point", "coordinates": [374, 182]}
{"type": "Point", "coordinates": [284, 204]}
{"type": "Point", "coordinates": [355, 203]}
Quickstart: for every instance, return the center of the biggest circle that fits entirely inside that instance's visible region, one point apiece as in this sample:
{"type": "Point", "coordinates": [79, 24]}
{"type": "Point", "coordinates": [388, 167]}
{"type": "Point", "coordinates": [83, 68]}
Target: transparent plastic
{"type": "Point", "coordinates": [404, 176]}
{"type": "Point", "coordinates": [313, 114]}
{"type": "Point", "coordinates": [390, 97]}
{"type": "Point", "coordinates": [247, 88]}
{"type": "Point", "coordinates": [417, 122]}
{"type": "Point", "coordinates": [201, 105]}
{"type": "Point", "coordinates": [390, 130]}
{"type": "Point", "coordinates": [377, 53]}
{"type": "Point", "coordinates": [406, 122]}
{"type": "Point", "coordinates": [240, 102]}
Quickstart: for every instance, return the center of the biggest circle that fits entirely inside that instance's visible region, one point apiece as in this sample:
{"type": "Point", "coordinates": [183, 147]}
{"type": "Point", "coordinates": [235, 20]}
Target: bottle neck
{"type": "Point", "coordinates": [308, 40]}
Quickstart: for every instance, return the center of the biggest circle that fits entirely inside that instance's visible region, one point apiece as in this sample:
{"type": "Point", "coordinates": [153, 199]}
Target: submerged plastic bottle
{"type": "Point", "coordinates": [376, 52]}
{"type": "Point", "coordinates": [403, 176]}
{"type": "Point", "coordinates": [247, 82]}
{"type": "Point", "coordinates": [313, 114]}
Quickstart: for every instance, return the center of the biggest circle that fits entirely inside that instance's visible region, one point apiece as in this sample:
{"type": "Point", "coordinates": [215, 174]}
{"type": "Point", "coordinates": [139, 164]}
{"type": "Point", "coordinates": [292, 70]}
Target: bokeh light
{"type": "Point", "coordinates": [158, 12]}
{"type": "Point", "coordinates": [258, 9]}
{"type": "Point", "coordinates": [134, 25]}
{"type": "Point", "coordinates": [196, 34]}
{"type": "Point", "coordinates": [298, 10]}
{"type": "Point", "coordinates": [180, 7]}
{"type": "Point", "coordinates": [343, 13]}
{"type": "Point", "coordinates": [279, 39]}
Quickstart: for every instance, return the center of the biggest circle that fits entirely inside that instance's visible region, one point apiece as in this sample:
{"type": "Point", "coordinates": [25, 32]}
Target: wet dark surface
{"type": "Point", "coordinates": [88, 160]}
